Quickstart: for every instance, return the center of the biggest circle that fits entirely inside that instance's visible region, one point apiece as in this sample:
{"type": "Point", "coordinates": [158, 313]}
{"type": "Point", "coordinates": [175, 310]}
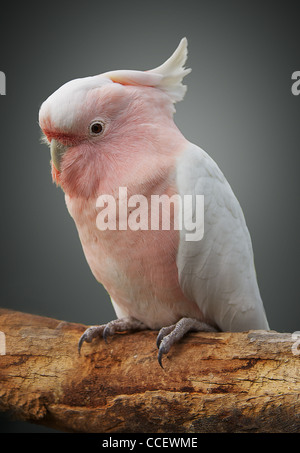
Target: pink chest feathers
{"type": "Point", "coordinates": [137, 267]}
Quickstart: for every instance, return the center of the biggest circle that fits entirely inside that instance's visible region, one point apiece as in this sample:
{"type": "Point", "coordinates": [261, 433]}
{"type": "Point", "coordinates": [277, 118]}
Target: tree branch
{"type": "Point", "coordinates": [212, 382]}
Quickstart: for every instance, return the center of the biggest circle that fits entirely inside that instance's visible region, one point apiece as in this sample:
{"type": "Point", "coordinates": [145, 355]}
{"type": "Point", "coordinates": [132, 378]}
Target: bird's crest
{"type": "Point", "coordinates": [167, 77]}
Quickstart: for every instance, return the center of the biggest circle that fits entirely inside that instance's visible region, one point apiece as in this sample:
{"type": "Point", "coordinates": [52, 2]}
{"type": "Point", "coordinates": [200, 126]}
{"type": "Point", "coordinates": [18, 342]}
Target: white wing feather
{"type": "Point", "coordinates": [218, 271]}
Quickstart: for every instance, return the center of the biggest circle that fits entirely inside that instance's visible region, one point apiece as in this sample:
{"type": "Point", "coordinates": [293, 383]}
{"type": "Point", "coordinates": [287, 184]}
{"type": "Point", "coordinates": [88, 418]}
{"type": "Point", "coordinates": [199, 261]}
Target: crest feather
{"type": "Point", "coordinates": [167, 77]}
{"type": "Point", "coordinates": [173, 71]}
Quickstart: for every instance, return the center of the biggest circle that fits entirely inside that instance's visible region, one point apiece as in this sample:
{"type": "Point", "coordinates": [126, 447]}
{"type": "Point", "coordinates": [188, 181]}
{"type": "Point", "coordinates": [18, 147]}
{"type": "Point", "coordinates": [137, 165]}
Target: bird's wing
{"type": "Point", "coordinates": [218, 270]}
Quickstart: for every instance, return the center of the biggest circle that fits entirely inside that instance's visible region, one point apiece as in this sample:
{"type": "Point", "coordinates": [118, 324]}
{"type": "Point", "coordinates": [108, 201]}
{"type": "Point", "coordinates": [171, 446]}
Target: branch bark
{"type": "Point", "coordinates": [212, 382]}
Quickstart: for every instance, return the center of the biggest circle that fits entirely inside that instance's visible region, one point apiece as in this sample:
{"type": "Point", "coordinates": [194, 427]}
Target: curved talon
{"type": "Point", "coordinates": [118, 325]}
{"type": "Point", "coordinates": [112, 327]}
{"type": "Point", "coordinates": [158, 340]}
{"type": "Point", "coordinates": [164, 348]}
{"type": "Point", "coordinates": [84, 338]}
{"type": "Point", "coordinates": [159, 357]}
{"type": "Point", "coordinates": [89, 335]}
{"type": "Point", "coordinates": [164, 331]}
{"type": "Point", "coordinates": [172, 334]}
{"type": "Point", "coordinates": [106, 333]}
{"type": "Point", "coordinates": [80, 343]}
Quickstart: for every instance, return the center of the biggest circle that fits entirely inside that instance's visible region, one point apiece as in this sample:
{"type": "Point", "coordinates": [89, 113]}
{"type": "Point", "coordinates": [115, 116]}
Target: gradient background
{"type": "Point", "coordinates": [238, 107]}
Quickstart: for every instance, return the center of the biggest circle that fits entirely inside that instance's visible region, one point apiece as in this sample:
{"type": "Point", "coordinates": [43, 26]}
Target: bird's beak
{"type": "Point", "coordinates": [57, 151]}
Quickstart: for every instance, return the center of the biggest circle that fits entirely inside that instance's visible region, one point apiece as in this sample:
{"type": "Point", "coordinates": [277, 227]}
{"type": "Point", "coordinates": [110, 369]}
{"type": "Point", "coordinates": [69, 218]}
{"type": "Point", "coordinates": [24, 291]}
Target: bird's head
{"type": "Point", "coordinates": [97, 126]}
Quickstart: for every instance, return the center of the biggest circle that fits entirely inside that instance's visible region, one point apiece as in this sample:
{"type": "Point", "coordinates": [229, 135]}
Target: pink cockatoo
{"type": "Point", "coordinates": [116, 130]}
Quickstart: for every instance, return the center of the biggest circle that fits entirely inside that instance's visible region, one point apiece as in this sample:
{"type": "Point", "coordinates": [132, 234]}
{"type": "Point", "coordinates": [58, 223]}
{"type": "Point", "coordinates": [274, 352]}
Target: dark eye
{"type": "Point", "coordinates": [96, 127]}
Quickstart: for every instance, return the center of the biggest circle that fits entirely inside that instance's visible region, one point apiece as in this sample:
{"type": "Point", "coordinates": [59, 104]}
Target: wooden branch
{"type": "Point", "coordinates": [212, 382]}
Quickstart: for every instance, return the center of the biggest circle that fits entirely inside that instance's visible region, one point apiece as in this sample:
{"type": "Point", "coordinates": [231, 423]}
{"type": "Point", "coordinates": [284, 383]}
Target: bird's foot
{"type": "Point", "coordinates": [169, 335]}
{"type": "Point", "coordinates": [105, 330]}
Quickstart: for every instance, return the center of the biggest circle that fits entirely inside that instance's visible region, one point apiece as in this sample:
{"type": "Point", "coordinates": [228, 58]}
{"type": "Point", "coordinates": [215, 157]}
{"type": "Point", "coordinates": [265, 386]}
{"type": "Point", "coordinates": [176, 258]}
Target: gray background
{"type": "Point", "coordinates": [238, 107]}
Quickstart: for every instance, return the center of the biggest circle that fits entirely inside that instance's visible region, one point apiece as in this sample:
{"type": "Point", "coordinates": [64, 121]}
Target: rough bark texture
{"type": "Point", "coordinates": [212, 382]}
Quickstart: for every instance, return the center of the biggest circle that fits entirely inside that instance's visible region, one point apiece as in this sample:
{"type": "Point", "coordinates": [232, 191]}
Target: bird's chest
{"type": "Point", "coordinates": [134, 260]}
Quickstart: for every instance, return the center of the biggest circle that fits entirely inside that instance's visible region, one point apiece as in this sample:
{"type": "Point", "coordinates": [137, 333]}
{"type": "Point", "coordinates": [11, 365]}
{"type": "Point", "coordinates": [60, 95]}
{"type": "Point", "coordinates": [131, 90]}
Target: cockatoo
{"type": "Point", "coordinates": [116, 130]}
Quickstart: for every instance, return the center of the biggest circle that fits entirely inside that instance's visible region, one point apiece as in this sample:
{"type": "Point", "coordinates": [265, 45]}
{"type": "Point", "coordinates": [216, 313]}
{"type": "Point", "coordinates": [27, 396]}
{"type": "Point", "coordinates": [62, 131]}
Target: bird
{"type": "Point", "coordinates": [114, 131]}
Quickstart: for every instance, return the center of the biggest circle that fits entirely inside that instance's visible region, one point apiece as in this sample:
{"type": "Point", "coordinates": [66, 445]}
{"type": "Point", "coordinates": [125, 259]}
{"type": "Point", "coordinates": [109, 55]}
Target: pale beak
{"type": "Point", "coordinates": [57, 151]}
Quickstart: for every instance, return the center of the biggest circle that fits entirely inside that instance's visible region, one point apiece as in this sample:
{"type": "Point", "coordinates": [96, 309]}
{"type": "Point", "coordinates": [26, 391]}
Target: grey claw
{"type": "Point", "coordinates": [118, 325]}
{"type": "Point", "coordinates": [172, 334]}
{"type": "Point", "coordinates": [106, 333]}
{"type": "Point", "coordinates": [163, 349]}
{"type": "Point", "coordinates": [164, 331]}
{"type": "Point", "coordinates": [80, 342]}
{"type": "Point", "coordinates": [159, 339]}
{"type": "Point", "coordinates": [159, 357]}
{"type": "Point", "coordinates": [88, 335]}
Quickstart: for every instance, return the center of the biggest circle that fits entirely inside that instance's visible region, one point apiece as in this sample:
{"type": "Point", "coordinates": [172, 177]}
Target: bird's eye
{"type": "Point", "coordinates": [96, 127]}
